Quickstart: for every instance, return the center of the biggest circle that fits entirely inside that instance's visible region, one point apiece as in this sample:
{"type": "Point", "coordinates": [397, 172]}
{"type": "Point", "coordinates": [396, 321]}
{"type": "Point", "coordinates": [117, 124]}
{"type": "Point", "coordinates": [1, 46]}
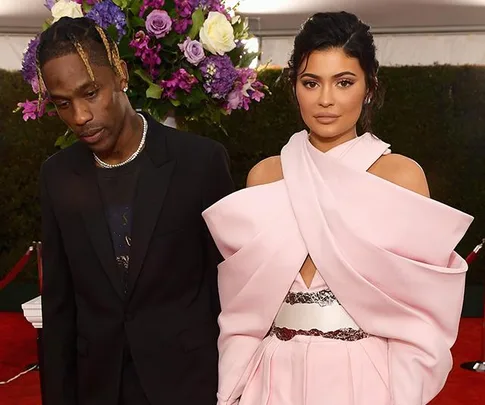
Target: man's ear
{"type": "Point", "coordinates": [126, 78]}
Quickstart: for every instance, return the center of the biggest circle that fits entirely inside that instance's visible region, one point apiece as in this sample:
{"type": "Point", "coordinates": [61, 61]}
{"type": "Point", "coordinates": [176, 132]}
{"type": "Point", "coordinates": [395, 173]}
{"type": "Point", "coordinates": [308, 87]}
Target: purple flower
{"type": "Point", "coordinates": [35, 85]}
{"type": "Point", "coordinates": [181, 26]}
{"type": "Point", "coordinates": [29, 62]}
{"type": "Point", "coordinates": [31, 109]}
{"type": "Point", "coordinates": [155, 4]}
{"type": "Point", "coordinates": [158, 23]}
{"type": "Point", "coordinates": [182, 80]}
{"type": "Point", "coordinates": [185, 8]}
{"type": "Point", "coordinates": [193, 51]}
{"type": "Point", "coordinates": [49, 4]}
{"type": "Point", "coordinates": [148, 55]}
{"type": "Point", "coordinates": [246, 89]}
{"type": "Point", "coordinates": [214, 5]}
{"type": "Point", "coordinates": [234, 99]}
{"type": "Point", "coordinates": [107, 13]}
{"type": "Point", "coordinates": [219, 75]}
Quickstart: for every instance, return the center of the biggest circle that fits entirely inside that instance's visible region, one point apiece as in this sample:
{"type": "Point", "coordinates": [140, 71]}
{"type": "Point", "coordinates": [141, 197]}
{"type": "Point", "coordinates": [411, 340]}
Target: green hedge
{"type": "Point", "coordinates": [23, 147]}
{"type": "Point", "coordinates": [432, 114]}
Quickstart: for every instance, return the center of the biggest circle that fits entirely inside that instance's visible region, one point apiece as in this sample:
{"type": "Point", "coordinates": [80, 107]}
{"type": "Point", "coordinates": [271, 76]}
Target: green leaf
{"type": "Point", "coordinates": [60, 141]}
{"type": "Point", "coordinates": [154, 91]}
{"type": "Point", "coordinates": [50, 107]}
{"type": "Point", "coordinates": [126, 52]}
{"type": "Point", "coordinates": [247, 58]}
{"type": "Point", "coordinates": [175, 103]}
{"type": "Point", "coordinates": [121, 3]}
{"type": "Point", "coordinates": [45, 25]}
{"type": "Point", "coordinates": [197, 23]}
{"type": "Point", "coordinates": [135, 8]}
{"type": "Point", "coordinates": [171, 39]}
{"type": "Point", "coordinates": [159, 109]}
{"type": "Point", "coordinates": [198, 75]}
{"type": "Point", "coordinates": [113, 32]}
{"type": "Point", "coordinates": [65, 140]}
{"type": "Point", "coordinates": [196, 96]}
{"type": "Point", "coordinates": [86, 7]}
{"type": "Point", "coordinates": [137, 22]}
{"type": "Point", "coordinates": [169, 4]}
{"type": "Point", "coordinates": [235, 55]}
{"type": "Point", "coordinates": [143, 75]}
{"type": "Point", "coordinates": [240, 29]}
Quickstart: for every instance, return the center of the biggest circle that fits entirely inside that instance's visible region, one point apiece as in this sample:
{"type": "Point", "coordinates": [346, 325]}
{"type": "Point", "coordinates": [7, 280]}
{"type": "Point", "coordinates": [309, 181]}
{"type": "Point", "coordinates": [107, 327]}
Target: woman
{"type": "Point", "coordinates": [340, 284]}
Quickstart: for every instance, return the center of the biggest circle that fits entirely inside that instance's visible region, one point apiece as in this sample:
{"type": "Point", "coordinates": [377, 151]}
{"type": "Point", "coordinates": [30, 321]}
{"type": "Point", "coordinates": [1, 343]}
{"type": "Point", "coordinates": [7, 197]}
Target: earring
{"type": "Point", "coordinates": [367, 99]}
{"type": "Point", "coordinates": [125, 89]}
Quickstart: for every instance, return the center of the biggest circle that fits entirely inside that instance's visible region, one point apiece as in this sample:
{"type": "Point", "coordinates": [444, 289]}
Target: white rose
{"type": "Point", "coordinates": [66, 8]}
{"type": "Point", "coordinates": [217, 34]}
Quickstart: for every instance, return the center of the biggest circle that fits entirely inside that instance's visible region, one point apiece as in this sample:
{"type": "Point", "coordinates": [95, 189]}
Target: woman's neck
{"type": "Point", "coordinates": [324, 144]}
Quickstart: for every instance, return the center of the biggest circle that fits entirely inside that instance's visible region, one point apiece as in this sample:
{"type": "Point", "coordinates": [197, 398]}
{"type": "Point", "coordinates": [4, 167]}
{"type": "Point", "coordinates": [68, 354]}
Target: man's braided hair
{"type": "Point", "coordinates": [81, 36]}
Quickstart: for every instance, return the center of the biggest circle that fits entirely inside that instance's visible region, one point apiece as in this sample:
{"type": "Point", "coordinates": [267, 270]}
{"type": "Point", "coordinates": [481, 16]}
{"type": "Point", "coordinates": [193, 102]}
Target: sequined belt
{"type": "Point", "coordinates": [314, 314]}
{"type": "Point", "coordinates": [322, 298]}
{"type": "Point", "coordinates": [347, 334]}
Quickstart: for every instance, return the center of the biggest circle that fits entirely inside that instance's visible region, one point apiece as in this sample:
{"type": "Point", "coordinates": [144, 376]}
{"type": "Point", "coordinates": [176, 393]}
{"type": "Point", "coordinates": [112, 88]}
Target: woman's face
{"type": "Point", "coordinates": [331, 89]}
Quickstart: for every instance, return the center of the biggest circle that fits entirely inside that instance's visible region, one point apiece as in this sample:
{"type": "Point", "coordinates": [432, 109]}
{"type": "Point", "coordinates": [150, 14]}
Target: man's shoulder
{"type": "Point", "coordinates": [190, 143]}
{"type": "Point", "coordinates": [190, 138]}
{"type": "Point", "coordinates": [62, 158]}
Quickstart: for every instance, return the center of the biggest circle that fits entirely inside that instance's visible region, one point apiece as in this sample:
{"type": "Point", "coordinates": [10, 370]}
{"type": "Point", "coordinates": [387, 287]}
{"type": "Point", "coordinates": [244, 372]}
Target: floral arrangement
{"type": "Point", "coordinates": [185, 57]}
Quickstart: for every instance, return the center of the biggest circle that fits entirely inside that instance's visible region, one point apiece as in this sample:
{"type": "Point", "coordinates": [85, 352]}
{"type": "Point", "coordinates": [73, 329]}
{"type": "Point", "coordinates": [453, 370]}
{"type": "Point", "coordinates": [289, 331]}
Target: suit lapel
{"type": "Point", "coordinates": [153, 183]}
{"type": "Point", "coordinates": [94, 216]}
{"type": "Point", "coordinates": [152, 188]}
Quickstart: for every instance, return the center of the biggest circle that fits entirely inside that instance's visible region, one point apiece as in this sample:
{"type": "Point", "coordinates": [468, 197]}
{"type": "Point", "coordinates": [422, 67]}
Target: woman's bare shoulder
{"type": "Point", "coordinates": [267, 171]}
{"type": "Point", "coordinates": [402, 171]}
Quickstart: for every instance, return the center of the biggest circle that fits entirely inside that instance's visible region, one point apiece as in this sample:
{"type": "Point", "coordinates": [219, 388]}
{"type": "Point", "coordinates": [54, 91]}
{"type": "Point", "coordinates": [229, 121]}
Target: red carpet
{"type": "Point", "coordinates": [464, 387]}
{"type": "Point", "coordinates": [18, 349]}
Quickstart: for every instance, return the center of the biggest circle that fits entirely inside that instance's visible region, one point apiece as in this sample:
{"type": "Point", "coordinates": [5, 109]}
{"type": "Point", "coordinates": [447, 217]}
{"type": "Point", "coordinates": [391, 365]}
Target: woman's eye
{"type": "Point", "coordinates": [310, 85]}
{"type": "Point", "coordinates": [345, 83]}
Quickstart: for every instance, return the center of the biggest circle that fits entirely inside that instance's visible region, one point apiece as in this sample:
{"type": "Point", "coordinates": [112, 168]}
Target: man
{"type": "Point", "coordinates": [129, 298]}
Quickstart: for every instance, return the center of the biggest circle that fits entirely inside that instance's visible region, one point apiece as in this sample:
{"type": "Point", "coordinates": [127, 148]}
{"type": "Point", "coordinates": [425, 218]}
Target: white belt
{"type": "Point", "coordinates": [314, 316]}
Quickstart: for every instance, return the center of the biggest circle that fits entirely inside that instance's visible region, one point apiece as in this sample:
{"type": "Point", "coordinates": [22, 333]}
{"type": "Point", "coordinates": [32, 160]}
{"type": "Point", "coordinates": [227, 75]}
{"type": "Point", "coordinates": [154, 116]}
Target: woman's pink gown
{"type": "Point", "coordinates": [376, 325]}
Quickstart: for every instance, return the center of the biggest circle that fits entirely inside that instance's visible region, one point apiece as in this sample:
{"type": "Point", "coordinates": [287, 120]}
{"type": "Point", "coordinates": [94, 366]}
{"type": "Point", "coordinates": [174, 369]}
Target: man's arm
{"type": "Point", "coordinates": [58, 311]}
{"type": "Point", "coordinates": [218, 184]}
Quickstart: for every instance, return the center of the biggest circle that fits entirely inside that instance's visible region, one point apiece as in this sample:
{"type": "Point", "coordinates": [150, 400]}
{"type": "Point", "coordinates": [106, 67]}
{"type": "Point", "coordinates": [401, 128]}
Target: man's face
{"type": "Point", "coordinates": [94, 111]}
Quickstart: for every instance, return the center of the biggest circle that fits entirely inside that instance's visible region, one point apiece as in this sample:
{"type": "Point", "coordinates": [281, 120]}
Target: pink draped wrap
{"type": "Point", "coordinates": [386, 253]}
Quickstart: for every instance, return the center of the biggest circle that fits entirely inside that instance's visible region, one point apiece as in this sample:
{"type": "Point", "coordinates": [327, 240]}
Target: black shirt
{"type": "Point", "coordinates": [118, 187]}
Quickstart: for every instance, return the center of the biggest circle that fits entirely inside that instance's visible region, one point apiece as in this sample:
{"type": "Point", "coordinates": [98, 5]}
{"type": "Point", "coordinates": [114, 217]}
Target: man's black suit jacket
{"type": "Point", "coordinates": [169, 316]}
